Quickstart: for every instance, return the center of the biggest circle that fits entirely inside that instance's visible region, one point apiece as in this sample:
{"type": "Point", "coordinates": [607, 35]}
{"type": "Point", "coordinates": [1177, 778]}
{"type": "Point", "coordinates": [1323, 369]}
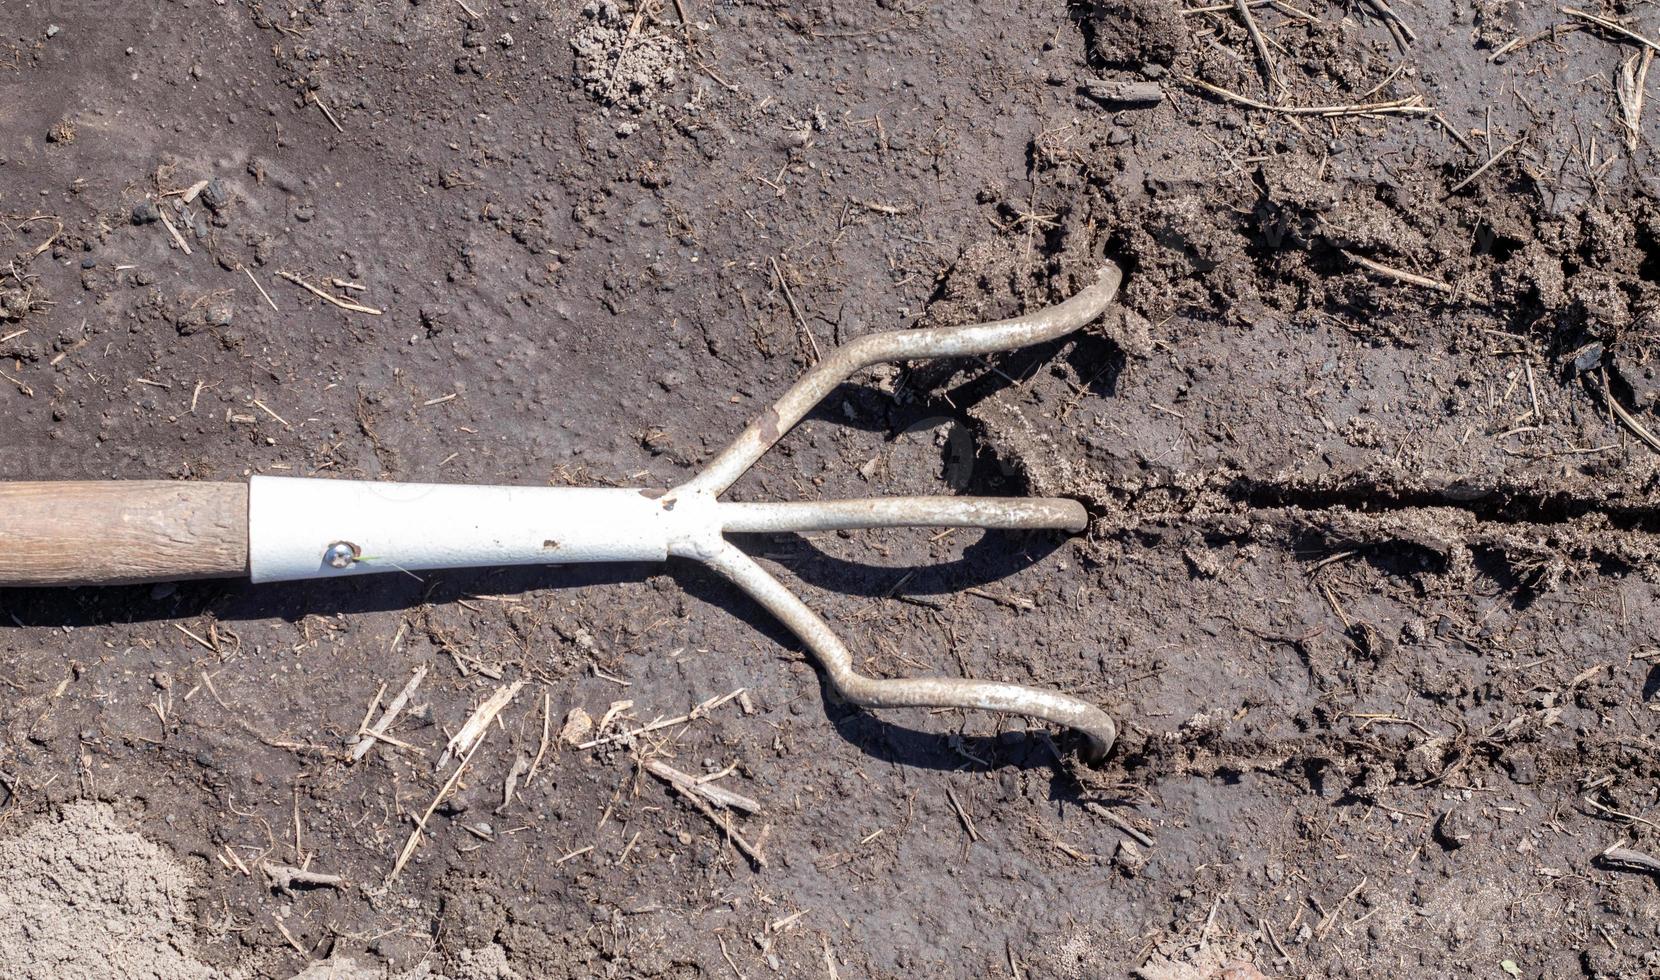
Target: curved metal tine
{"type": "Point", "coordinates": [910, 692]}
{"type": "Point", "coordinates": [765, 430]}
{"type": "Point", "coordinates": [1002, 513]}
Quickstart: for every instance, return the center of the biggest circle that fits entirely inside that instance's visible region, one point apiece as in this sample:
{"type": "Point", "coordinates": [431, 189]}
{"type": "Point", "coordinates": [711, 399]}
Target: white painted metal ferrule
{"type": "Point", "coordinates": [314, 528]}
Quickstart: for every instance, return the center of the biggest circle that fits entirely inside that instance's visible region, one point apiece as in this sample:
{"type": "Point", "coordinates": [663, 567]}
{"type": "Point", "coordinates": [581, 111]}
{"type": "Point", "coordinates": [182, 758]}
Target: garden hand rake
{"type": "Point", "coordinates": [278, 529]}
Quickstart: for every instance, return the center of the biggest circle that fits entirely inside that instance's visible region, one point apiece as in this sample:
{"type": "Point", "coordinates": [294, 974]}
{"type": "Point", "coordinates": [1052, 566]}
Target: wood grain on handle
{"type": "Point", "coordinates": [118, 532]}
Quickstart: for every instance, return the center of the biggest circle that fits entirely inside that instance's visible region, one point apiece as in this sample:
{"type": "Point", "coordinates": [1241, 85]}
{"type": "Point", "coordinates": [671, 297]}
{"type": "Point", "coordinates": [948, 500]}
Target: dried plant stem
{"type": "Point", "coordinates": [1270, 71]}
{"type": "Point", "coordinates": [1518, 43]}
{"type": "Point", "coordinates": [1629, 89]}
{"type": "Point", "coordinates": [1399, 274]}
{"type": "Point", "coordinates": [344, 304]}
{"type": "Point", "coordinates": [1412, 105]}
{"type": "Point", "coordinates": [1613, 27]}
{"type": "Point", "coordinates": [1483, 168]}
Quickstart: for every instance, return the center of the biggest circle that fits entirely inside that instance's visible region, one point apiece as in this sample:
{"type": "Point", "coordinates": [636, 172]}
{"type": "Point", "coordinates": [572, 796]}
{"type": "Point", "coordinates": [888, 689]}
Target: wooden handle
{"type": "Point", "coordinates": [119, 532]}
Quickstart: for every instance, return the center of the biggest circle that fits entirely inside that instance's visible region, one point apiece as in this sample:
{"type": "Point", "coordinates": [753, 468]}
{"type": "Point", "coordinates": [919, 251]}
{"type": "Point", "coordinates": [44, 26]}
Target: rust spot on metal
{"type": "Point", "coordinates": [652, 493]}
{"type": "Point", "coordinates": [769, 425]}
{"type": "Point", "coordinates": [550, 545]}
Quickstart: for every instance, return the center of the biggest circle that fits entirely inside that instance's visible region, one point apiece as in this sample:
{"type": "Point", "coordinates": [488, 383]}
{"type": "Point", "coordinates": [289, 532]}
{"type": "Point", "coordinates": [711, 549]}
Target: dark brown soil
{"type": "Point", "coordinates": [1371, 582]}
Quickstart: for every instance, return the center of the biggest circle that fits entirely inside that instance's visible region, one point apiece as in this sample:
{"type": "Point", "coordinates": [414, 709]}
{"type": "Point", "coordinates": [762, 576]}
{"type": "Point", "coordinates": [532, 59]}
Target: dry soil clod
{"type": "Point", "coordinates": [1125, 93]}
{"type": "Point", "coordinates": [288, 879]}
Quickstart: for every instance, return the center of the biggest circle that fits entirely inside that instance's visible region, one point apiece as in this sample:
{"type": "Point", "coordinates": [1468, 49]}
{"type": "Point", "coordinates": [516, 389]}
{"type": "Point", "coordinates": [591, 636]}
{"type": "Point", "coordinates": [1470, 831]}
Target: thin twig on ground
{"type": "Point", "coordinates": [416, 835]}
{"type": "Point", "coordinates": [1467, 181]}
{"type": "Point", "coordinates": [178, 239]}
{"type": "Point", "coordinates": [319, 103]}
{"type": "Point", "coordinates": [1627, 859]}
{"type": "Point", "coordinates": [542, 749]}
{"type": "Point", "coordinates": [262, 292]}
{"type": "Point", "coordinates": [696, 713]}
{"type": "Point", "coordinates": [718, 795]}
{"type": "Point", "coordinates": [1612, 26]}
{"type": "Point", "coordinates": [1518, 43]}
{"type": "Point", "coordinates": [475, 727]}
{"type": "Point", "coordinates": [287, 879]}
{"type": "Point", "coordinates": [1398, 28]}
{"type": "Point", "coordinates": [378, 730]}
{"type": "Point", "coordinates": [795, 310]}
{"type": "Point", "coordinates": [1119, 822]}
{"type": "Point", "coordinates": [1272, 82]}
{"type": "Point", "coordinates": [1412, 105]}
{"type": "Point", "coordinates": [1627, 419]}
{"type": "Point", "coordinates": [692, 792]}
{"type": "Point", "coordinates": [344, 304]}
{"type": "Point", "coordinates": [1400, 275]}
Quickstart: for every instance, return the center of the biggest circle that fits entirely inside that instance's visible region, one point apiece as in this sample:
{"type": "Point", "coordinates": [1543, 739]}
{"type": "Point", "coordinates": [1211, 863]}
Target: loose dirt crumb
{"type": "Point", "coordinates": [81, 897]}
{"type": "Point", "coordinates": [485, 963]}
{"type": "Point", "coordinates": [621, 67]}
{"type": "Point", "coordinates": [1225, 962]}
{"type": "Point", "coordinates": [340, 968]}
{"type": "Point", "coordinates": [346, 968]}
{"type": "Point", "coordinates": [1131, 33]}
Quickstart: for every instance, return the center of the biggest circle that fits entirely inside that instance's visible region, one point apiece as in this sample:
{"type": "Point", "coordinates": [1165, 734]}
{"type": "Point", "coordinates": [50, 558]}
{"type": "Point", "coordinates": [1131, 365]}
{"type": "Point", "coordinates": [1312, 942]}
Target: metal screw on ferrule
{"type": "Point", "coordinates": [342, 554]}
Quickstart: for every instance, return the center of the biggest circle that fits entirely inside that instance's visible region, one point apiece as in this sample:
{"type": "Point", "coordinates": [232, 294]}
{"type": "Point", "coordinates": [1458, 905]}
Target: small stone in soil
{"type": "Point", "coordinates": [1129, 858]}
{"type": "Point", "coordinates": [220, 312]}
{"type": "Point", "coordinates": [1455, 828]}
{"type": "Point", "coordinates": [216, 195]}
{"type": "Point", "coordinates": [1587, 358]}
